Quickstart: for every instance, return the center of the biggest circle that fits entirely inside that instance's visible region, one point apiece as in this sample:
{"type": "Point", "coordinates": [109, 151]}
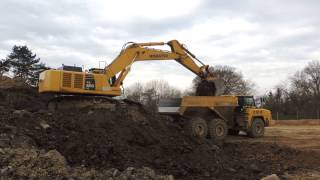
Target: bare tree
{"type": "Point", "coordinates": [163, 89]}
{"type": "Point", "coordinates": [149, 93]}
{"type": "Point", "coordinates": [300, 84]}
{"type": "Point", "coordinates": [134, 92]}
{"type": "Point", "coordinates": [302, 98]}
{"type": "Point", "coordinates": [312, 72]}
{"type": "Point", "coordinates": [233, 82]}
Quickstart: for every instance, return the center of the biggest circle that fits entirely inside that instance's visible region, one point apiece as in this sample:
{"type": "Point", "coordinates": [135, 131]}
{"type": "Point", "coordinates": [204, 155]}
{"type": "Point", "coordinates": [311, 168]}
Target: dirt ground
{"type": "Point", "coordinates": [295, 135]}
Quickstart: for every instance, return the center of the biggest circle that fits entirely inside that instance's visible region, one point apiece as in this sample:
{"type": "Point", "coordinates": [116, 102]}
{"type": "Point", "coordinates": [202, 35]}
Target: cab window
{"type": "Point", "coordinates": [246, 101]}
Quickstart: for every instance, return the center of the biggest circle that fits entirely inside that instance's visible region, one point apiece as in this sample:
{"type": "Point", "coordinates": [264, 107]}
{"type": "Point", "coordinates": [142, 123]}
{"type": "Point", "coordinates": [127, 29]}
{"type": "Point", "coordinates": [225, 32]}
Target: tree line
{"type": "Point", "coordinates": [22, 63]}
{"type": "Point", "coordinates": [299, 98]}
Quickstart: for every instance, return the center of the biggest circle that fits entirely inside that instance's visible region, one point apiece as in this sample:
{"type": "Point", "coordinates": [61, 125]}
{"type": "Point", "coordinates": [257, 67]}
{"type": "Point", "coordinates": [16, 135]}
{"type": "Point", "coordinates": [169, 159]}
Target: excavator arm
{"type": "Point", "coordinates": [142, 52]}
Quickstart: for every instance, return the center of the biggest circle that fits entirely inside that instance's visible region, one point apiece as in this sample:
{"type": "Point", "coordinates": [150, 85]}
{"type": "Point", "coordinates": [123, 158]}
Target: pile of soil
{"type": "Point", "coordinates": [16, 94]}
{"type": "Point", "coordinates": [7, 82]}
{"type": "Point", "coordinates": [119, 143]}
{"type": "Point", "coordinates": [32, 163]}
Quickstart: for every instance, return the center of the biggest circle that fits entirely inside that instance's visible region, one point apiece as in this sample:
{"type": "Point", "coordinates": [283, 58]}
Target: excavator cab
{"type": "Point", "coordinates": [96, 70]}
{"type": "Point", "coordinates": [70, 68]}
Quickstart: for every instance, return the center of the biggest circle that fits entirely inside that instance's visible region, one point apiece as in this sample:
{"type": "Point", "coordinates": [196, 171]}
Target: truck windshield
{"type": "Point", "coordinates": [246, 101]}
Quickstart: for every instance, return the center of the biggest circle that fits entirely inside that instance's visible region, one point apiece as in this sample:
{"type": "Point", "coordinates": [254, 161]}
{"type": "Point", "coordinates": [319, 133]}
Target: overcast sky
{"type": "Point", "coordinates": [267, 40]}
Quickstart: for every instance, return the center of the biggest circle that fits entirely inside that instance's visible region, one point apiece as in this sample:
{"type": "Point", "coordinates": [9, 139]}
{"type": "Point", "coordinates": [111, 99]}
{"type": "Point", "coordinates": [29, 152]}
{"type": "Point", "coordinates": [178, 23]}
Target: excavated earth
{"type": "Point", "coordinates": [123, 141]}
{"type": "Point", "coordinates": [206, 88]}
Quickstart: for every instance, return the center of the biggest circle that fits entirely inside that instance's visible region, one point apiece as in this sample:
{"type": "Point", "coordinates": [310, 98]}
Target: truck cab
{"type": "Point", "coordinates": [249, 118]}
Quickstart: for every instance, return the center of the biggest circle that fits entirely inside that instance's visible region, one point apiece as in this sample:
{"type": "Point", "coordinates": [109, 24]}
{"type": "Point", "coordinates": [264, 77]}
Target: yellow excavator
{"type": "Point", "coordinates": [108, 81]}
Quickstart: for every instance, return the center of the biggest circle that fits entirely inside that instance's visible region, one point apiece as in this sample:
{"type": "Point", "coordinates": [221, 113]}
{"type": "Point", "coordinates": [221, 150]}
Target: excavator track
{"type": "Point", "coordinates": [72, 102]}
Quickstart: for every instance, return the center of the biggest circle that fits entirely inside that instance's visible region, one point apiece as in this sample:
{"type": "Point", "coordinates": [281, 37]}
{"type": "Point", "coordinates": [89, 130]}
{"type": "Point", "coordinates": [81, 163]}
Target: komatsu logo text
{"type": "Point", "coordinates": [158, 55]}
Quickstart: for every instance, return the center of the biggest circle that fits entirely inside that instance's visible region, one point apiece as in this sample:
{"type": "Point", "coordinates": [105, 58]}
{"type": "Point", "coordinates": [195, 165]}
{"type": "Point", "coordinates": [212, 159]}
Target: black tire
{"type": "Point", "coordinates": [257, 128]}
{"type": "Point", "coordinates": [218, 129]}
{"type": "Point", "coordinates": [233, 132]}
{"type": "Point", "coordinates": [198, 128]}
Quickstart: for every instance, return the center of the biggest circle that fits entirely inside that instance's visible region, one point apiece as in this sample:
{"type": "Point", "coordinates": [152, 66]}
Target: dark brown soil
{"type": "Point", "coordinates": [15, 94]}
{"type": "Point", "coordinates": [128, 136]}
{"type": "Point", "coordinates": [206, 88]}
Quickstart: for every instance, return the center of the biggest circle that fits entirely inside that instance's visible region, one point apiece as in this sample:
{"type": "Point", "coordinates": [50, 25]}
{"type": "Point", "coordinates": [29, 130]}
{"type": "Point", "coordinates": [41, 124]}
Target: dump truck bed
{"type": "Point", "coordinates": [178, 105]}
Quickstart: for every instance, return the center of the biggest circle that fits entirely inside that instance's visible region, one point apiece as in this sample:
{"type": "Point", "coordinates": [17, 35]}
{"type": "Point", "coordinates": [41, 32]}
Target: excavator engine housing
{"type": "Point", "coordinates": [72, 82]}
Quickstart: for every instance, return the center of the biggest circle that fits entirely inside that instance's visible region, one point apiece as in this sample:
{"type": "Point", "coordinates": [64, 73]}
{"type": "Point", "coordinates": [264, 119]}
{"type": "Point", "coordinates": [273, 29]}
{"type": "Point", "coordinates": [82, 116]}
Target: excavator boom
{"type": "Point", "coordinates": [142, 52]}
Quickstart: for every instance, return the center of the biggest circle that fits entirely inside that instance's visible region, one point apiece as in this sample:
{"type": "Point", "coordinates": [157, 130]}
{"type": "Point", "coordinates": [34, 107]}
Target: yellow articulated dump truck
{"type": "Point", "coordinates": [216, 116]}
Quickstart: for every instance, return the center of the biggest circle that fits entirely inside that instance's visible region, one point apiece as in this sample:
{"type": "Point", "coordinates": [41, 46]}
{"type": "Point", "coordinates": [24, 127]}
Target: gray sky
{"type": "Point", "coordinates": [266, 40]}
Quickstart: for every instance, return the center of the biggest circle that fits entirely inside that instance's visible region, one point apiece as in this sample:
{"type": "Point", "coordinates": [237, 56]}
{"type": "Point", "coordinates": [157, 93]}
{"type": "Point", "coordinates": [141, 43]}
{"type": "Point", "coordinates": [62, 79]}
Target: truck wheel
{"type": "Point", "coordinates": [198, 128]}
{"type": "Point", "coordinates": [218, 129]}
{"type": "Point", "coordinates": [257, 128]}
{"type": "Point", "coordinates": [233, 132]}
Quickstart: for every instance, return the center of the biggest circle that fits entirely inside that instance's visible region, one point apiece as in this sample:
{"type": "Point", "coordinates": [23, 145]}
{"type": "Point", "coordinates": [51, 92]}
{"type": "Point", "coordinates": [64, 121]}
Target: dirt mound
{"type": "Point", "coordinates": [16, 94]}
{"type": "Point", "coordinates": [99, 143]}
{"type": "Point", "coordinates": [25, 163]}
{"type": "Point", "coordinates": [21, 163]}
{"type": "Point", "coordinates": [7, 82]}
{"type": "Point", "coordinates": [111, 139]}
